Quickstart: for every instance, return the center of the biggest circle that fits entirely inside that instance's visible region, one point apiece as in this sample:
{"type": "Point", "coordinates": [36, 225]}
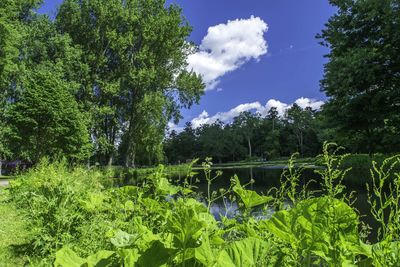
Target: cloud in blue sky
{"type": "Point", "coordinates": [228, 46]}
{"type": "Point", "coordinates": [227, 117]}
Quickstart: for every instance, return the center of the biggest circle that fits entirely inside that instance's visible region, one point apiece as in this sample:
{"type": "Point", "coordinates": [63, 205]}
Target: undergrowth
{"type": "Point", "coordinates": [76, 218]}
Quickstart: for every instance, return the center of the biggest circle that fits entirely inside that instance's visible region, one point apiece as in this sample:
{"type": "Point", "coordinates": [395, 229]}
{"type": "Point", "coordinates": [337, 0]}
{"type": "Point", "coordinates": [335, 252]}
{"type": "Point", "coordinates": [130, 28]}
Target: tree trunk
{"type": "Point", "coordinates": [1, 166]}
{"type": "Point", "coordinates": [133, 160]}
{"type": "Point", "coordinates": [301, 144]}
{"type": "Point", "coordinates": [110, 160]}
{"type": "Point", "coordinates": [249, 144]}
{"type": "Point", "coordinates": [127, 159]}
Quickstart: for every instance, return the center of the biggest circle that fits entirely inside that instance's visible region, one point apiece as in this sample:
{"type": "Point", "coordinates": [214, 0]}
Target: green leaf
{"type": "Point", "coordinates": [248, 252]}
{"type": "Point", "coordinates": [326, 227]}
{"type": "Point", "coordinates": [250, 198]}
{"type": "Point", "coordinates": [122, 239]}
{"type": "Point", "coordinates": [129, 257]}
{"type": "Point", "coordinates": [156, 255]}
{"type": "Point", "coordinates": [102, 258]}
{"type": "Point", "coordinates": [65, 257]}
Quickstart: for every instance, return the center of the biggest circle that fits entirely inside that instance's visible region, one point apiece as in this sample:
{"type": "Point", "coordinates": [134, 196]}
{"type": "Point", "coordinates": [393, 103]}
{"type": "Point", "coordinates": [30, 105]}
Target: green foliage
{"type": "Point", "coordinates": [75, 221]}
{"type": "Point", "coordinates": [137, 79]}
{"type": "Point", "coordinates": [46, 121]}
{"type": "Point", "coordinates": [384, 198]}
{"type": "Point", "coordinates": [249, 137]}
{"type": "Point", "coordinates": [361, 78]}
{"type": "Point", "coordinates": [57, 204]}
{"type": "Point", "coordinates": [325, 227]}
{"type": "Point", "coordinates": [249, 198]}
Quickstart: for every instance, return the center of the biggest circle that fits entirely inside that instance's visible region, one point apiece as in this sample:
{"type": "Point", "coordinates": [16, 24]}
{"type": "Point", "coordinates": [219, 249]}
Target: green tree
{"type": "Point", "coordinates": [300, 121]}
{"type": "Point", "coordinates": [182, 146]}
{"type": "Point", "coordinates": [46, 120]}
{"type": "Point", "coordinates": [273, 115]}
{"type": "Point", "coordinates": [362, 77]}
{"type": "Point", "coordinates": [211, 140]}
{"type": "Point", "coordinates": [247, 122]}
{"type": "Point", "coordinates": [133, 48]}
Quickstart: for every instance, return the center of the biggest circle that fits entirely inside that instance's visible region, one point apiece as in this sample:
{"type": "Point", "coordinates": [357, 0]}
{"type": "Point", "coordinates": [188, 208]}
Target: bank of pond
{"type": "Point", "coordinates": [293, 215]}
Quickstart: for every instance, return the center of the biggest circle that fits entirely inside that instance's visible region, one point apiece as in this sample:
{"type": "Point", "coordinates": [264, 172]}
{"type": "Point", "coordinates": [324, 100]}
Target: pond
{"type": "Point", "coordinates": [266, 178]}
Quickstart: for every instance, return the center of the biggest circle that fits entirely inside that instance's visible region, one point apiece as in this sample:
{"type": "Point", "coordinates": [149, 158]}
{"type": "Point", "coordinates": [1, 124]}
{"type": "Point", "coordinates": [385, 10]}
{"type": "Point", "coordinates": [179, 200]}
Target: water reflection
{"type": "Point", "coordinates": [267, 178]}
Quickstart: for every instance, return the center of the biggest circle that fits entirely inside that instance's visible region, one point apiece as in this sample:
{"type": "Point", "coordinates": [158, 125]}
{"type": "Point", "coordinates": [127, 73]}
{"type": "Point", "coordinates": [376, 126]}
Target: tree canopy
{"type": "Point", "coordinates": [120, 65]}
{"type": "Point", "coordinates": [362, 77]}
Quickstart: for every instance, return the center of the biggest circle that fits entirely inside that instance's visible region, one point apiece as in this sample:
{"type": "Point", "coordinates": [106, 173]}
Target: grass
{"type": "Point", "coordinates": [13, 233]}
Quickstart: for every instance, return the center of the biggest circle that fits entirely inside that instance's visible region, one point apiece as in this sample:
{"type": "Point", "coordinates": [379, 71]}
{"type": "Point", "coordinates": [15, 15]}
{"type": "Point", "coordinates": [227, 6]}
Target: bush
{"type": "Point", "coordinates": [51, 197]}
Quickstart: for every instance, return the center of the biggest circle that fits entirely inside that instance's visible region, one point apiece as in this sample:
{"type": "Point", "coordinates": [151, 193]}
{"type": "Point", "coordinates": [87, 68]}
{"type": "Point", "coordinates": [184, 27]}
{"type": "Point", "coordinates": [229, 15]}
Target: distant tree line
{"type": "Point", "coordinates": [249, 136]}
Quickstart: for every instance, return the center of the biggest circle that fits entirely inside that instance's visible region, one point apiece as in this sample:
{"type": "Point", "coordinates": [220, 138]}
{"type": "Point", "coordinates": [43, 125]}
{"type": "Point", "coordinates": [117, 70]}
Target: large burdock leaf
{"type": "Point", "coordinates": [249, 198]}
{"type": "Point", "coordinates": [187, 223]}
{"type": "Point", "coordinates": [325, 227]}
{"type": "Point", "coordinates": [280, 226]}
{"type": "Point", "coordinates": [156, 255]}
{"type": "Point", "coordinates": [65, 257]}
{"type": "Point", "coordinates": [102, 258]}
{"type": "Point", "coordinates": [248, 252]}
{"type": "Point", "coordinates": [68, 258]}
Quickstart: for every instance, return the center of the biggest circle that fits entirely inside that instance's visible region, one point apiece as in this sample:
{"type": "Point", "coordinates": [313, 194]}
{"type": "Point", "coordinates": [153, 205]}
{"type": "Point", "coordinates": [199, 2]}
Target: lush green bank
{"type": "Point", "coordinates": [76, 217]}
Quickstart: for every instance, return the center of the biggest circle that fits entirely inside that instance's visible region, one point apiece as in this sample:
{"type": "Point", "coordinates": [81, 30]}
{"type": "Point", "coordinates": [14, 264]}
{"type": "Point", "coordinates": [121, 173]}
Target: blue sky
{"type": "Point", "coordinates": [279, 60]}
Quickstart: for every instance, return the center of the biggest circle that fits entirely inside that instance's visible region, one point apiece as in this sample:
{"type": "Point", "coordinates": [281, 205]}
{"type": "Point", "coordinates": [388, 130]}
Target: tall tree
{"type": "Point", "coordinates": [133, 48]}
{"type": "Point", "coordinates": [28, 42]}
{"type": "Point", "coordinates": [248, 123]}
{"type": "Point", "coordinates": [300, 121]}
{"type": "Point", "coordinates": [362, 77]}
{"type": "Point", "coordinates": [273, 116]}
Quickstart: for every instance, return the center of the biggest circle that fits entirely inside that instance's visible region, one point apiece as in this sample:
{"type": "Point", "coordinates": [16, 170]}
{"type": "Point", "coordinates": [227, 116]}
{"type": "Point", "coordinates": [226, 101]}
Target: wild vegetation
{"type": "Point", "coordinates": [75, 217]}
{"type": "Point", "coordinates": [96, 86]}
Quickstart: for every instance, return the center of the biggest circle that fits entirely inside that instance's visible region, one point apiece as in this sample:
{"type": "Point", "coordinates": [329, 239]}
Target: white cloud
{"type": "Point", "coordinates": [306, 102]}
{"type": "Point", "coordinates": [228, 46]}
{"type": "Point", "coordinates": [226, 117]}
{"type": "Point", "coordinates": [173, 127]}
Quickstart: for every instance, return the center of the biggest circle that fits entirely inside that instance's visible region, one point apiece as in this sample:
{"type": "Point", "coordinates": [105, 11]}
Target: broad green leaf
{"type": "Point", "coordinates": [102, 258]}
{"type": "Point", "coordinates": [324, 226]}
{"type": "Point", "coordinates": [122, 239]}
{"type": "Point", "coordinates": [250, 198]}
{"type": "Point", "coordinates": [156, 255]}
{"type": "Point", "coordinates": [248, 252]}
{"type": "Point", "coordinates": [65, 257]}
{"type": "Point", "coordinates": [129, 257]}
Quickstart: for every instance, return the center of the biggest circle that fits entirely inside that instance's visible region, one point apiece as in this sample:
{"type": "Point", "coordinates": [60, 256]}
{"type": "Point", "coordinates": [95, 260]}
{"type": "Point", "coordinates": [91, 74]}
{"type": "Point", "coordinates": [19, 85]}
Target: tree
{"type": "Point", "coordinates": [273, 116]}
{"type": "Point", "coordinates": [300, 120]}
{"type": "Point", "coordinates": [46, 120]}
{"type": "Point", "coordinates": [362, 77]}
{"type": "Point", "coordinates": [182, 146]}
{"type": "Point", "coordinates": [211, 140]}
{"type": "Point", "coordinates": [133, 48]}
{"type": "Point", "coordinates": [247, 122]}
{"type": "Point", "coordinates": [30, 44]}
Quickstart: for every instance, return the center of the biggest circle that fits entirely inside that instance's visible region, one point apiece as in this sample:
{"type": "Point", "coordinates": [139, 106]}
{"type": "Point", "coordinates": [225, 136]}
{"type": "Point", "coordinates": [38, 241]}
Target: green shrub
{"type": "Point", "coordinates": [52, 199]}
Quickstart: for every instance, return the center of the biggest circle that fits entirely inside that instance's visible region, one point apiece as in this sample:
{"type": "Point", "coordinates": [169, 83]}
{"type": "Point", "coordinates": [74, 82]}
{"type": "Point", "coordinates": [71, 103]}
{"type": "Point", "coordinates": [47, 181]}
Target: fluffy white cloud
{"type": "Point", "coordinates": [205, 118]}
{"type": "Point", "coordinates": [228, 46]}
